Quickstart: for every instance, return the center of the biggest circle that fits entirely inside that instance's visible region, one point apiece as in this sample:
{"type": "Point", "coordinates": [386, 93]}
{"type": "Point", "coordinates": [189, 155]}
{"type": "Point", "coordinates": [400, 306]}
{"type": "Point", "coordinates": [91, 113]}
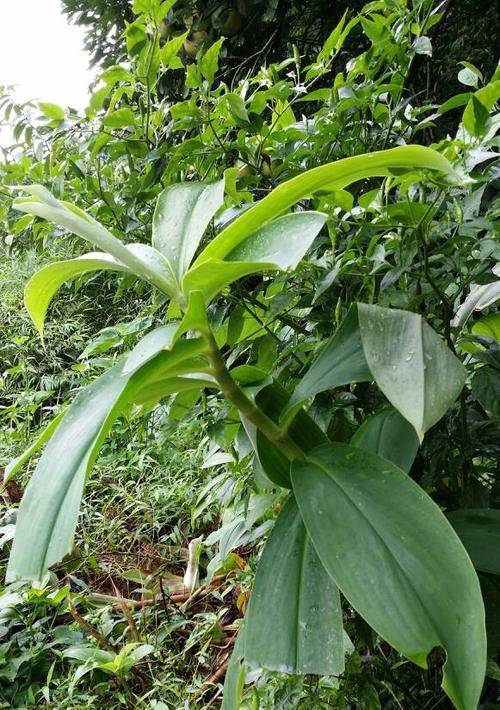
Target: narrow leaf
{"type": "Point", "coordinates": [335, 176]}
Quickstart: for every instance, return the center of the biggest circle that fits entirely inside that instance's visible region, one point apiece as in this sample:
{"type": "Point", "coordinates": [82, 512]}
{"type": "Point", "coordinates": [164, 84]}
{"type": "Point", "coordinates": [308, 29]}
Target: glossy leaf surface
{"type": "Point", "coordinates": [279, 245]}
{"type": "Point", "coordinates": [333, 176]}
{"type": "Point", "coordinates": [410, 363]}
{"type": "Point", "coordinates": [182, 214]}
{"type": "Point", "coordinates": [146, 262]}
{"type": "Point", "coordinates": [294, 618]}
{"type": "Point", "coordinates": [376, 534]}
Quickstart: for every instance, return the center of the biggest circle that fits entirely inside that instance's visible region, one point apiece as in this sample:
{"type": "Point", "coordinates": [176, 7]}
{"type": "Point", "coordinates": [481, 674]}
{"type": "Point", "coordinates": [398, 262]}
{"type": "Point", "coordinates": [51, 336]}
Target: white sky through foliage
{"type": "Point", "coordinates": [42, 53]}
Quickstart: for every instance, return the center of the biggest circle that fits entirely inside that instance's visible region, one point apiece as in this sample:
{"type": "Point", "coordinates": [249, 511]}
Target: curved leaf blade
{"type": "Point", "coordinates": [49, 509]}
{"type": "Point", "coordinates": [182, 214]}
{"type": "Point", "coordinates": [44, 284]}
{"type": "Point", "coordinates": [294, 618]}
{"type": "Point", "coordinates": [390, 436]}
{"type": "Point", "coordinates": [410, 363]}
{"type": "Point", "coordinates": [42, 204]}
{"type": "Point", "coordinates": [279, 245]}
{"type": "Point", "coordinates": [336, 176]}
{"type": "Point", "coordinates": [341, 362]}
{"type": "Point", "coordinates": [397, 560]}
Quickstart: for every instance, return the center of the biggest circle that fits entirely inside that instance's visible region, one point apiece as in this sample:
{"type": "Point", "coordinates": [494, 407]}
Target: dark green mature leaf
{"type": "Point", "coordinates": [410, 363]}
{"type": "Point", "coordinates": [294, 618]}
{"type": "Point", "coordinates": [479, 530]}
{"type": "Point", "coordinates": [397, 560]}
{"type": "Point", "coordinates": [390, 436]}
{"type": "Point", "coordinates": [182, 214]}
{"type": "Point", "coordinates": [333, 176]}
{"type": "Point", "coordinates": [341, 362]}
{"type": "Point", "coordinates": [486, 389]}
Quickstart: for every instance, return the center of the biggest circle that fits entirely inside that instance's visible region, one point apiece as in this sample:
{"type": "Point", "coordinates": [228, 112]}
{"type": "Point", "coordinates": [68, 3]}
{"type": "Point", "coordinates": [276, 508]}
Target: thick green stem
{"type": "Point", "coordinates": [243, 404]}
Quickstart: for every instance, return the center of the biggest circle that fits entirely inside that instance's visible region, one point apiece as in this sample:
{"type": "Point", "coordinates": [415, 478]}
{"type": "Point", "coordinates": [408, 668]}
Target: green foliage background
{"type": "Point", "coordinates": [259, 112]}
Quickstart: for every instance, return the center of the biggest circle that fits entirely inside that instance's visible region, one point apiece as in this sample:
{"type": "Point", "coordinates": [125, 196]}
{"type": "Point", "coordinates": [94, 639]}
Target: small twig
{"type": "Point", "coordinates": [91, 630]}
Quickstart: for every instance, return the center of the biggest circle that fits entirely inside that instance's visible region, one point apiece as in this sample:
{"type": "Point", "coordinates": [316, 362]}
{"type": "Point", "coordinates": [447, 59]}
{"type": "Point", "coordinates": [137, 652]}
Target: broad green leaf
{"type": "Point", "coordinates": [294, 618]}
{"type": "Point", "coordinates": [390, 436]}
{"type": "Point", "coordinates": [278, 245]}
{"type": "Point", "coordinates": [171, 49]}
{"type": "Point", "coordinates": [479, 530]}
{"type": "Point", "coordinates": [282, 243]}
{"type": "Point", "coordinates": [234, 681]}
{"type": "Point", "coordinates": [334, 176]}
{"type": "Point", "coordinates": [121, 118]}
{"type": "Point", "coordinates": [182, 214]}
{"type": "Point", "coordinates": [49, 509]}
{"type": "Point", "coordinates": [142, 261]}
{"type": "Point", "coordinates": [410, 363]}
{"type": "Point", "coordinates": [160, 356]}
{"type": "Point", "coordinates": [341, 362]}
{"type": "Point", "coordinates": [488, 326]}
{"type": "Point", "coordinates": [396, 559]}
{"type": "Point", "coordinates": [14, 466]}
{"type": "Point", "coordinates": [52, 111]}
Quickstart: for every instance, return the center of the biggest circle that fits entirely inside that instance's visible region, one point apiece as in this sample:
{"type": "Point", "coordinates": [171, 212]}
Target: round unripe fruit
{"type": "Point", "coordinates": [232, 24]}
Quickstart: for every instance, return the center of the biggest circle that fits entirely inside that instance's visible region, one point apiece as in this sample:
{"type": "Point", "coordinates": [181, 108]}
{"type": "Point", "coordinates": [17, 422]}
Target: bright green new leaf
{"type": "Point", "coordinates": [182, 214]}
{"type": "Point", "coordinates": [294, 618]}
{"type": "Point", "coordinates": [341, 362]}
{"type": "Point", "coordinates": [121, 118]}
{"type": "Point", "coordinates": [390, 436]}
{"type": "Point", "coordinates": [410, 363]}
{"type": "Point", "coordinates": [479, 530]}
{"type": "Point", "coordinates": [41, 288]}
{"type": "Point", "coordinates": [278, 245]}
{"type": "Point", "coordinates": [143, 261]}
{"type": "Point", "coordinates": [397, 560]}
{"type": "Point", "coordinates": [171, 49]}
{"type": "Point", "coordinates": [209, 62]}
{"type": "Point", "coordinates": [333, 176]}
{"type": "Point", "coordinates": [52, 111]}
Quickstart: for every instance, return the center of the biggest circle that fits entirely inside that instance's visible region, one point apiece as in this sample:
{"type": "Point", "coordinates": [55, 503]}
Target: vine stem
{"type": "Point", "coordinates": [233, 392]}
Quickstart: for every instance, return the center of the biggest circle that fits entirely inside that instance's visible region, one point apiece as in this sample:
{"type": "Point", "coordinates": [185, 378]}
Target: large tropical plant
{"type": "Point", "coordinates": [353, 519]}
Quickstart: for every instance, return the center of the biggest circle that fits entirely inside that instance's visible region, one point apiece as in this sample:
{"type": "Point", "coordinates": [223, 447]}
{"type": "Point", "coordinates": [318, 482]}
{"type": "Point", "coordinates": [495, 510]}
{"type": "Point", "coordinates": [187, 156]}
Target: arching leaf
{"type": "Point", "coordinates": [397, 560]}
{"type": "Point", "coordinates": [479, 530]}
{"type": "Point", "coordinates": [333, 176]}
